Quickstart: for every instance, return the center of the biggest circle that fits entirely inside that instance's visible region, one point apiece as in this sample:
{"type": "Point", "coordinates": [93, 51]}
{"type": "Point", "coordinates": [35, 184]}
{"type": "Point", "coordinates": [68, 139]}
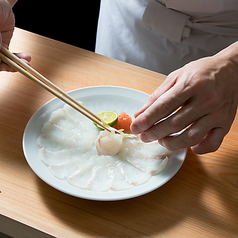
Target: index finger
{"type": "Point", "coordinates": [161, 108]}
{"type": "Point", "coordinates": [165, 86]}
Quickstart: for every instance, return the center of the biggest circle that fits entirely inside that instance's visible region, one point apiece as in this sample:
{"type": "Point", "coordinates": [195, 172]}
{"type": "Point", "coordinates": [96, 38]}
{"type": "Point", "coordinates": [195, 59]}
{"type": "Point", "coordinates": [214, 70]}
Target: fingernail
{"type": "Point", "coordinates": [135, 129]}
{"type": "Point", "coordinates": [136, 113]}
{"type": "Point", "coordinates": [144, 137]}
{"type": "Point", "coordinates": [161, 142]}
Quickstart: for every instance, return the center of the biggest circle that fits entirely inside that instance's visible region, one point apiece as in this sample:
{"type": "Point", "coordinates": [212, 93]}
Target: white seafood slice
{"type": "Point", "coordinates": [58, 134]}
{"type": "Point", "coordinates": [75, 115]}
{"type": "Point", "coordinates": [149, 165]}
{"type": "Point", "coordinates": [62, 120]}
{"type": "Point", "coordinates": [100, 180]}
{"type": "Point", "coordinates": [77, 161]}
{"type": "Point", "coordinates": [68, 147]}
{"type": "Point", "coordinates": [117, 181]}
{"type": "Point", "coordinates": [101, 177]}
{"type": "Point", "coordinates": [82, 176]}
{"type": "Point", "coordinates": [57, 157]}
{"type": "Point", "coordinates": [148, 157]}
{"type": "Point", "coordinates": [109, 143]}
{"type": "Point", "coordinates": [131, 174]}
{"type": "Point", "coordinates": [51, 129]}
{"type": "Point", "coordinates": [56, 143]}
{"type": "Point", "coordinates": [64, 170]}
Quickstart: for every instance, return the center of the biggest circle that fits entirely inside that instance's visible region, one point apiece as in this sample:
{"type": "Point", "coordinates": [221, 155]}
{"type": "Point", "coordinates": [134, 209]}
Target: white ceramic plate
{"type": "Point", "coordinates": [96, 99]}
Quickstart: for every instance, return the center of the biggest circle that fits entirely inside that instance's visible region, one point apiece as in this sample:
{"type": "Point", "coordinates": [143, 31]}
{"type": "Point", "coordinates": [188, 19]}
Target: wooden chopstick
{"type": "Point", "coordinates": [20, 66]}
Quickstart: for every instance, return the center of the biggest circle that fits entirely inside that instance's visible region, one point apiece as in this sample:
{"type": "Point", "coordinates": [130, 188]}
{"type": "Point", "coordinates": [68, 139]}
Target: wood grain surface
{"type": "Point", "coordinates": [201, 200]}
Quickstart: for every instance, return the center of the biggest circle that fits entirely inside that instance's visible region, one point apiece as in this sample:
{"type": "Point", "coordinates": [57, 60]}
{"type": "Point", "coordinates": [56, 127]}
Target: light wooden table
{"type": "Point", "coordinates": [201, 200]}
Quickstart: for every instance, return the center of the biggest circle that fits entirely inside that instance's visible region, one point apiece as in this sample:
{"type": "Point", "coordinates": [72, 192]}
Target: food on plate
{"type": "Point", "coordinates": [86, 157]}
{"type": "Point", "coordinates": [109, 117]}
{"type": "Point", "coordinates": [123, 122]}
{"type": "Point", "coordinates": [109, 143]}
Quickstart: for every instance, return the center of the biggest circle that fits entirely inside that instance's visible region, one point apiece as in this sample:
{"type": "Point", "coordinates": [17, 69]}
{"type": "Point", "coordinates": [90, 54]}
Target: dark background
{"type": "Point", "coordinates": [72, 22]}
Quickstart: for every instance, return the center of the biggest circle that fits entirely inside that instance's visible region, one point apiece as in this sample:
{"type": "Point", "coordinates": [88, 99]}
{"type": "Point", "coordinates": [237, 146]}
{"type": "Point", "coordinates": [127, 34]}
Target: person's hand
{"type": "Point", "coordinates": [203, 96]}
{"type": "Point", "coordinates": [7, 24]}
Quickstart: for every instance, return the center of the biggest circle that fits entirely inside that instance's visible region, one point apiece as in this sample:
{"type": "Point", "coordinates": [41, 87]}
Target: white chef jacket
{"type": "Point", "coordinates": [164, 35]}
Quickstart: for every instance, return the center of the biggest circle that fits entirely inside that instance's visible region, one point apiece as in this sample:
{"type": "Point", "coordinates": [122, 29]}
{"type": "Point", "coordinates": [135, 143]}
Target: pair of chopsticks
{"type": "Point", "coordinates": [20, 66]}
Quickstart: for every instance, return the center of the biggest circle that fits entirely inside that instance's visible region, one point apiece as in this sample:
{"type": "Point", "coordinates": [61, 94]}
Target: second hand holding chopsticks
{"type": "Point", "coordinates": [20, 66]}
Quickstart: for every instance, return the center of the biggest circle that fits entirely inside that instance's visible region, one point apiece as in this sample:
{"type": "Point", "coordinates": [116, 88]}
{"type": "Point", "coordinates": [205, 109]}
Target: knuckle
{"type": "Point", "coordinates": [172, 147]}
{"type": "Point", "coordinates": [176, 124]}
{"type": "Point", "coordinates": [193, 137]}
{"type": "Point", "coordinates": [145, 121]}
{"type": "Point", "coordinates": [153, 97]}
{"type": "Point", "coordinates": [213, 147]}
{"type": "Point", "coordinates": [209, 101]}
{"type": "Point", "coordinates": [164, 108]}
{"type": "Point", "coordinates": [154, 134]}
{"type": "Point", "coordinates": [170, 144]}
{"type": "Point", "coordinates": [213, 99]}
{"type": "Point", "coordinates": [215, 143]}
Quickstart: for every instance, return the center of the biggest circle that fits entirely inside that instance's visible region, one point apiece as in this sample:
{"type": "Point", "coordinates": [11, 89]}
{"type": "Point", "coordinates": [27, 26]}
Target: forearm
{"type": "Point", "coordinates": [12, 2]}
